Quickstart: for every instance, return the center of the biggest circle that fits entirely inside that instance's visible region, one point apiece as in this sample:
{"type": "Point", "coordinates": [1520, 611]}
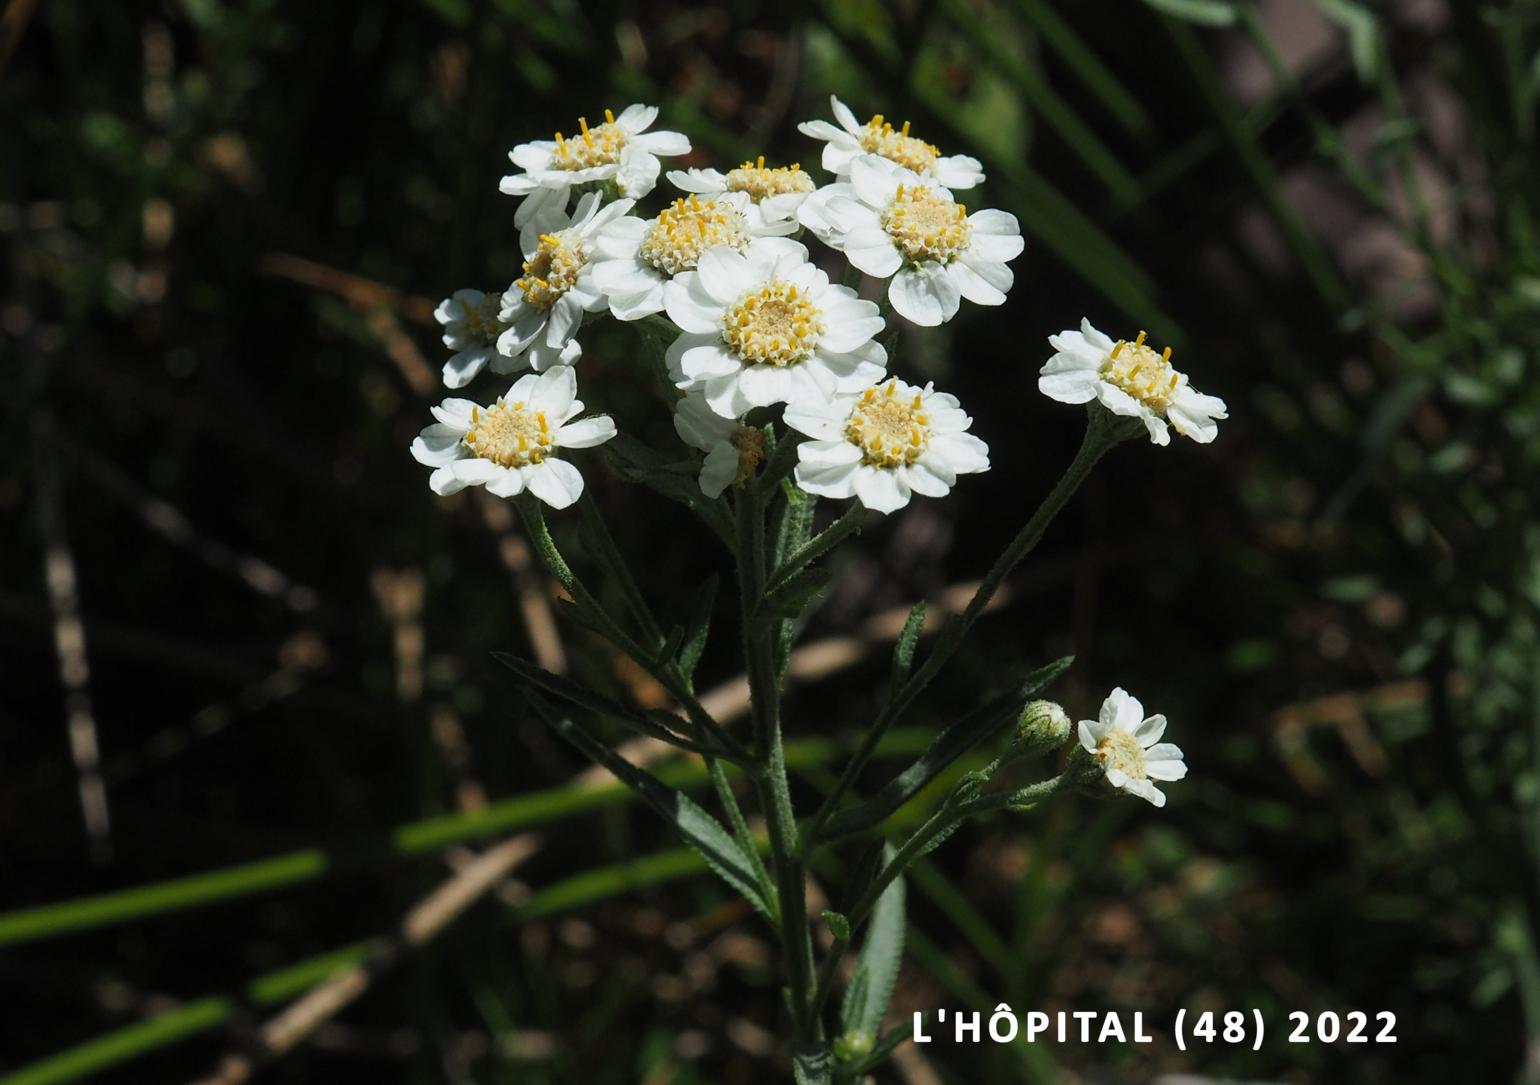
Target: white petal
{"type": "Point", "coordinates": [881, 490]}
{"type": "Point", "coordinates": [1149, 731]}
{"type": "Point", "coordinates": [925, 295]}
{"type": "Point", "coordinates": [437, 445]}
{"type": "Point", "coordinates": [556, 482]}
{"type": "Point", "coordinates": [720, 470]}
{"type": "Point", "coordinates": [973, 286]}
{"type": "Point", "coordinates": [586, 433]}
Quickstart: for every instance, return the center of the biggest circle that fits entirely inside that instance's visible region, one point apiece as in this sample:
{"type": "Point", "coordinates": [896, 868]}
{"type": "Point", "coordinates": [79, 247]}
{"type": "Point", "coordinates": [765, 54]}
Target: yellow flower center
{"type": "Point", "coordinates": [1120, 750]}
{"type": "Point", "coordinates": [750, 444]}
{"type": "Point", "coordinates": [926, 226]}
{"type": "Point", "coordinates": [879, 137]}
{"type": "Point", "coordinates": [509, 434]}
{"type": "Point", "coordinates": [553, 269]}
{"type": "Point", "coordinates": [889, 428]}
{"type": "Point", "coordinates": [599, 146]}
{"type": "Point", "coordinates": [1138, 370]}
{"type": "Point", "coordinates": [774, 325]}
{"type": "Point", "coordinates": [759, 180]}
{"type": "Point", "coordinates": [677, 237]}
{"type": "Point", "coordinates": [481, 321]}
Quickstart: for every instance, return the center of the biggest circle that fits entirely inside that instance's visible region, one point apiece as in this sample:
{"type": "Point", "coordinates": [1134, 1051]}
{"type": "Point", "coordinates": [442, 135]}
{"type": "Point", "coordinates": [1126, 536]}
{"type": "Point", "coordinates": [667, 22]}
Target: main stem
{"type": "Point", "coordinates": [774, 789]}
{"type": "Point", "coordinates": [1103, 431]}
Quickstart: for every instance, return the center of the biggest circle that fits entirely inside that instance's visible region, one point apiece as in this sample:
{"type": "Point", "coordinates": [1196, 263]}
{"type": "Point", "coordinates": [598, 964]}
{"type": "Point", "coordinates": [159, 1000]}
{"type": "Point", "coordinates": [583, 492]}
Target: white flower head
{"type": "Point", "coordinates": [885, 443]}
{"type": "Point", "coordinates": [633, 258]}
{"type": "Point", "coordinates": [732, 449]}
{"type": "Point", "coordinates": [887, 220]}
{"type": "Point", "coordinates": [1129, 379]}
{"type": "Point", "coordinates": [774, 192]}
{"type": "Point", "coordinates": [515, 444]}
{"type": "Point", "coordinates": [765, 326]}
{"type": "Point", "coordinates": [1127, 743]}
{"type": "Point", "coordinates": [471, 330]}
{"type": "Point", "coordinates": [544, 308]}
{"type": "Point", "coordinates": [620, 151]}
{"type": "Point", "coordinates": [851, 140]}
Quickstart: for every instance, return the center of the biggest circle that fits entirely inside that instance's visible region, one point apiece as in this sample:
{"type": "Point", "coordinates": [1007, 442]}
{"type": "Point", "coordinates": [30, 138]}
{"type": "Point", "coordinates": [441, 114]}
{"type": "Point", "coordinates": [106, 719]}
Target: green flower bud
{"type": "Point", "coordinates": [855, 1044]}
{"type": "Point", "coordinates": [1041, 727]}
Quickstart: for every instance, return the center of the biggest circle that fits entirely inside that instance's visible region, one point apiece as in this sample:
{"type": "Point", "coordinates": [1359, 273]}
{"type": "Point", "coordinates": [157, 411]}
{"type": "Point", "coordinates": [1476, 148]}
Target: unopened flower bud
{"type": "Point", "coordinates": [854, 1044]}
{"type": "Point", "coordinates": [1042, 726]}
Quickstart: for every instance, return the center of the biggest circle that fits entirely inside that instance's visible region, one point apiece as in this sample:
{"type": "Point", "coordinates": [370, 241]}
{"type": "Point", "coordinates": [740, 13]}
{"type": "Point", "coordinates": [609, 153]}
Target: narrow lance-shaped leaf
{"type": "Point", "coordinates": [903, 648]}
{"type": "Point", "coordinates": [698, 627]}
{"type": "Point", "coordinates": [700, 830]}
{"type": "Point", "coordinates": [871, 985]}
{"type": "Point", "coordinates": [951, 744]}
{"type": "Point", "coordinates": [1202, 12]}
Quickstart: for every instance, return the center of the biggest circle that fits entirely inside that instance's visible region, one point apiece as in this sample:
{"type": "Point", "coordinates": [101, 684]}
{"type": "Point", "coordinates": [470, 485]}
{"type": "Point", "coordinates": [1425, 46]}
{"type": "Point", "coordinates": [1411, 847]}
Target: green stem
{"type": "Point", "coordinates": [1104, 430]}
{"type": "Point", "coordinates": [938, 824]}
{"type": "Point", "coordinates": [666, 672]}
{"type": "Point", "coordinates": [774, 788]}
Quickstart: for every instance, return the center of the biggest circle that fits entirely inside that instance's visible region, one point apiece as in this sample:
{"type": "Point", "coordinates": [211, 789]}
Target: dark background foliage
{"type": "Point", "coordinates": [236, 625]}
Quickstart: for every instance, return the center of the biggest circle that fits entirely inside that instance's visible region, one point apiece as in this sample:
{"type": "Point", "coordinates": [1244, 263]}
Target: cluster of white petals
{"type": "Point", "coordinates": [1129, 379]}
{"type": "Point", "coordinates": [893, 224]}
{"type": "Point", "coordinates": [514, 444]}
{"type": "Point", "coordinates": [1127, 744]}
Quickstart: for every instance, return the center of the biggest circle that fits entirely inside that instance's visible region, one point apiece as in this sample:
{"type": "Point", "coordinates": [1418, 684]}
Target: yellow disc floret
{"type": "Point", "coordinates": [552, 270]}
{"type": "Point", "coordinates": [750, 444]}
{"type": "Point", "coordinates": [879, 137]}
{"type": "Point", "coordinates": [1120, 750]}
{"type": "Point", "coordinates": [759, 180]}
{"type": "Point", "coordinates": [776, 324]}
{"type": "Point", "coordinates": [889, 427]}
{"type": "Point", "coordinates": [926, 225]}
{"type": "Point", "coordinates": [481, 323]}
{"type": "Point", "coordinates": [509, 434]}
{"type": "Point", "coordinates": [677, 237]}
{"type": "Point", "coordinates": [1138, 370]}
{"type": "Point", "coordinates": [592, 147]}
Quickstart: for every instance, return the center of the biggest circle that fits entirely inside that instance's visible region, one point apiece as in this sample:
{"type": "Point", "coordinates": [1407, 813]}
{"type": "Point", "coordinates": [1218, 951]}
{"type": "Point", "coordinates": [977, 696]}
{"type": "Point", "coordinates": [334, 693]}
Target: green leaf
{"type": "Point", "coordinates": [698, 626]}
{"type": "Point", "coordinates": [838, 924]}
{"type": "Point", "coordinates": [951, 744]}
{"type": "Point", "coordinates": [678, 480]}
{"type": "Point", "coordinates": [1363, 34]}
{"type": "Point", "coordinates": [883, 1048]}
{"type": "Point", "coordinates": [791, 598]}
{"type": "Point", "coordinates": [700, 830]}
{"type": "Point", "coordinates": [871, 985]}
{"type": "Point", "coordinates": [903, 648]}
{"type": "Point", "coordinates": [1202, 12]}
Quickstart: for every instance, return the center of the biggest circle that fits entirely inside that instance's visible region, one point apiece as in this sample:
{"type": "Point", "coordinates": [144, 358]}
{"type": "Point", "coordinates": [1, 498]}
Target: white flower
{"type": "Point", "coordinates": [877, 137]}
{"type": "Point", "coordinates": [513, 445]}
{"type": "Point", "coordinates": [764, 326]}
{"type": "Point", "coordinates": [1127, 743]}
{"type": "Point", "coordinates": [884, 443]}
{"type": "Point", "coordinates": [889, 221]}
{"type": "Point", "coordinates": [544, 307]}
{"type": "Point", "coordinates": [620, 151]}
{"type": "Point", "coordinates": [1130, 379]}
{"type": "Point", "coordinates": [774, 192]}
{"type": "Point", "coordinates": [633, 258]}
{"type": "Point", "coordinates": [471, 328]}
{"type": "Point", "coordinates": [732, 449]}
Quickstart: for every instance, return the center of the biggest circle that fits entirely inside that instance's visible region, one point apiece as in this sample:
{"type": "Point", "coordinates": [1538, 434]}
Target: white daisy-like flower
{"type": "Point", "coordinates": [544, 307]}
{"type": "Point", "coordinates": [851, 140]}
{"type": "Point", "coordinates": [887, 220]}
{"type": "Point", "coordinates": [765, 326]}
{"type": "Point", "coordinates": [1129, 379]}
{"type": "Point", "coordinates": [620, 151]}
{"type": "Point", "coordinates": [885, 443]}
{"type": "Point", "coordinates": [774, 192]}
{"type": "Point", "coordinates": [732, 449]}
{"type": "Point", "coordinates": [471, 329]}
{"type": "Point", "coordinates": [513, 445]}
{"type": "Point", "coordinates": [1127, 743]}
{"type": "Point", "coordinates": [633, 258]}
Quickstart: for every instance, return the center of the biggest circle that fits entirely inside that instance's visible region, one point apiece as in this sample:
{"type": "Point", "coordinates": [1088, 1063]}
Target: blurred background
{"type": "Point", "coordinates": [250, 719]}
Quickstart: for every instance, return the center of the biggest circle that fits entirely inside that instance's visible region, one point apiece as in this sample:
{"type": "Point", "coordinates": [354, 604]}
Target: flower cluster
{"type": "Point", "coordinates": [753, 321]}
{"type": "Point", "coordinates": [745, 320]}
